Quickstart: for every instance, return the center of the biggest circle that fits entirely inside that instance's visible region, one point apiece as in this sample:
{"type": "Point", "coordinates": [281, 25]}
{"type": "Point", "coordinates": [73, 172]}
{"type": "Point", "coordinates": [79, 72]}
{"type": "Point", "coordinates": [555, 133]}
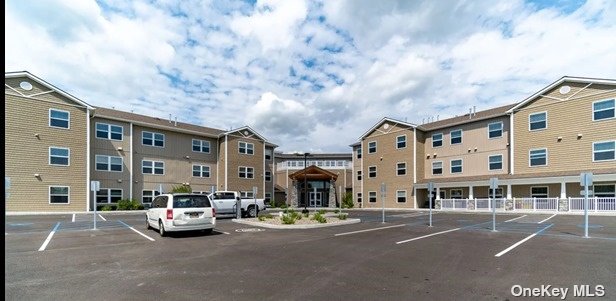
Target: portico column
{"type": "Point", "coordinates": [438, 193]}
{"type": "Point", "coordinates": [509, 191]}
{"type": "Point", "coordinates": [563, 190]}
{"type": "Point", "coordinates": [470, 192]}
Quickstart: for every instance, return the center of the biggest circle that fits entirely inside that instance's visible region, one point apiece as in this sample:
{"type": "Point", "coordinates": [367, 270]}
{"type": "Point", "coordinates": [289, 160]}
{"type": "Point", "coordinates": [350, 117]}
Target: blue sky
{"type": "Point", "coordinates": [308, 75]}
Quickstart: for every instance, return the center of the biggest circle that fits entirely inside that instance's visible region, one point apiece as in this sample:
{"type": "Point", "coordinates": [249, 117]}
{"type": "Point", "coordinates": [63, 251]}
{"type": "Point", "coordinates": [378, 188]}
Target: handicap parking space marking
{"type": "Point", "coordinates": [138, 232]}
{"type": "Point", "coordinates": [102, 217]}
{"type": "Point", "coordinates": [46, 242]}
{"type": "Point", "coordinates": [368, 230]}
{"type": "Point", "coordinates": [513, 219]}
{"type": "Point", "coordinates": [503, 252]}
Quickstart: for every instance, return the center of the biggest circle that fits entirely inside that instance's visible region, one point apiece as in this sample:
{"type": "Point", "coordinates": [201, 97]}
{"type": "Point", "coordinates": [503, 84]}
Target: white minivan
{"type": "Point", "coordinates": [181, 212]}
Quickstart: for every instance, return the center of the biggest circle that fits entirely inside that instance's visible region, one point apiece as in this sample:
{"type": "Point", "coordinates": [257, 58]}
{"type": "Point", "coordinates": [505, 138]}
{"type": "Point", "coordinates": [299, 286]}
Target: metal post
{"type": "Point", "coordinates": [586, 206]}
{"type": "Point", "coordinates": [340, 199]}
{"type": "Point", "coordinates": [94, 201]}
{"type": "Point", "coordinates": [494, 210]}
{"type": "Point", "coordinates": [430, 205]}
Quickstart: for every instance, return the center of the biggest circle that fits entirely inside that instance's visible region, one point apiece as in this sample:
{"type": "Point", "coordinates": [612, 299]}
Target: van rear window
{"type": "Point", "coordinates": [191, 201]}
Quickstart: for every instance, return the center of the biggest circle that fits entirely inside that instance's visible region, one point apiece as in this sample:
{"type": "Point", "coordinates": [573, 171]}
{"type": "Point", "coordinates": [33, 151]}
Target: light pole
{"type": "Point", "coordinates": [305, 182]}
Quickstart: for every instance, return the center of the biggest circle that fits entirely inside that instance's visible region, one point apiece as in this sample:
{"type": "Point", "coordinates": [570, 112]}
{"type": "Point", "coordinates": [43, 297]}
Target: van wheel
{"type": "Point", "coordinates": [252, 211]}
{"type": "Point", "coordinates": [147, 223]}
{"type": "Point", "coordinates": [207, 231]}
{"type": "Point", "coordinates": [161, 229]}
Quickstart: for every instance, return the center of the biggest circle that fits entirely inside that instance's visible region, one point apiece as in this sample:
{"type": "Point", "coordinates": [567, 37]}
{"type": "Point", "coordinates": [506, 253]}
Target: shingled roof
{"type": "Point", "coordinates": [481, 115]}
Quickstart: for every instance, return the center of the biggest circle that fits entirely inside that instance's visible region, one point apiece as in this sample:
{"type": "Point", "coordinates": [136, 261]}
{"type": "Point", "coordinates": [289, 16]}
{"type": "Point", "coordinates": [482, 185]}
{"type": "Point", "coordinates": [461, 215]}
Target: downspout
{"type": "Point", "coordinates": [88, 160]}
{"type": "Point", "coordinates": [363, 196]}
{"type": "Point", "coordinates": [511, 160]}
{"type": "Point", "coordinates": [264, 170]}
{"type": "Point", "coordinates": [226, 159]}
{"type": "Point", "coordinates": [132, 168]}
{"type": "Point", "coordinates": [414, 166]}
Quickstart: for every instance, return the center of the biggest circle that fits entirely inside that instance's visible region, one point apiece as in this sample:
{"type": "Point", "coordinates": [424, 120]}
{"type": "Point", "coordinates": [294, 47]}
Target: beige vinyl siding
{"type": "Point", "coordinates": [26, 154]}
{"type": "Point", "coordinates": [106, 147]}
{"type": "Point", "coordinates": [474, 137]}
{"type": "Point", "coordinates": [37, 88]}
{"type": "Point", "coordinates": [523, 191]}
{"type": "Point", "coordinates": [356, 168]}
{"type": "Point", "coordinates": [566, 119]}
{"type": "Point", "coordinates": [385, 159]}
{"type": "Point", "coordinates": [236, 160]}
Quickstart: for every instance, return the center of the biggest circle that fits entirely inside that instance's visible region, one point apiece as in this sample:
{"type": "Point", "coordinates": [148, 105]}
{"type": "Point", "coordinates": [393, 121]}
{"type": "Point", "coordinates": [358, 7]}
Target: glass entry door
{"type": "Point", "coordinates": [315, 199]}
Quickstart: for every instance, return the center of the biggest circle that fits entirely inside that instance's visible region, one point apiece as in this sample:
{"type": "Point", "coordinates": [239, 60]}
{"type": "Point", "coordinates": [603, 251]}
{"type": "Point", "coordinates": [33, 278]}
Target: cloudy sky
{"type": "Point", "coordinates": [308, 75]}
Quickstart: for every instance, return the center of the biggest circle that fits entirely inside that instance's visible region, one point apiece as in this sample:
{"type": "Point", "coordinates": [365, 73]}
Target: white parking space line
{"type": "Point", "coordinates": [503, 252]}
{"type": "Point", "coordinates": [42, 248]}
{"type": "Point", "coordinates": [511, 220]}
{"type": "Point", "coordinates": [102, 217]}
{"type": "Point", "coordinates": [433, 234]}
{"type": "Point", "coordinates": [72, 221]}
{"type": "Point", "coordinates": [223, 232]}
{"type": "Point", "coordinates": [368, 230]}
{"type": "Point", "coordinates": [541, 222]}
{"type": "Point", "coordinates": [138, 232]}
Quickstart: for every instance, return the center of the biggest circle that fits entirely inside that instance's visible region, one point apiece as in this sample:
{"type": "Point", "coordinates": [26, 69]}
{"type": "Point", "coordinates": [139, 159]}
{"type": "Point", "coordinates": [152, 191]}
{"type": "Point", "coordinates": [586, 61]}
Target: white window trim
{"type": "Point", "coordinates": [49, 195]}
{"type": "Point", "coordinates": [271, 154]}
{"type": "Point", "coordinates": [58, 147]}
{"type": "Point", "coordinates": [461, 166]}
{"type": "Point", "coordinates": [376, 197]}
{"type": "Point", "coordinates": [246, 148]}
{"type": "Point", "coordinates": [502, 130]}
{"type": "Point", "coordinates": [201, 171]}
{"type": "Point", "coordinates": [442, 168]}
{"type": "Point", "coordinates": [546, 121]}
{"type": "Point", "coordinates": [405, 169]}
{"type": "Point", "coordinates": [593, 151]}
{"type": "Point", "coordinates": [153, 164]}
{"type": "Point", "coordinates": [592, 109]}
{"type": "Point", "coordinates": [270, 176]}
{"type": "Point", "coordinates": [359, 153]}
{"type": "Point", "coordinates": [359, 174]}
{"type": "Point", "coordinates": [460, 190]}
{"type": "Point", "coordinates": [376, 147]}
{"type": "Point", "coordinates": [108, 131]}
{"type": "Point", "coordinates": [595, 190]}
{"type": "Point", "coordinates": [109, 195]}
{"type": "Point", "coordinates": [502, 162]}
{"type": "Point", "coordinates": [201, 146]}
{"type": "Point", "coordinates": [108, 163]}
{"type": "Point", "coordinates": [546, 157]}
{"type": "Point", "coordinates": [461, 136]}
{"type": "Point", "coordinates": [405, 196]}
{"type": "Point", "coordinates": [547, 188]}
{"type": "Point", "coordinates": [153, 139]}
{"type": "Point", "coordinates": [405, 141]}
{"type": "Point", "coordinates": [153, 196]}
{"type": "Point", "coordinates": [442, 138]}
{"type": "Point", "coordinates": [375, 172]}
{"type": "Point", "coordinates": [498, 195]}
{"type": "Point", "coordinates": [245, 172]}
{"type": "Point", "coordinates": [58, 127]}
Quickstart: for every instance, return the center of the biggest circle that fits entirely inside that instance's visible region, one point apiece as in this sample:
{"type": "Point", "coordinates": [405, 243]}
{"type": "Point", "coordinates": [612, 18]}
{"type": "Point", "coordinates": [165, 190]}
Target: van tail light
{"type": "Point", "coordinates": [213, 212]}
{"type": "Point", "coordinates": [169, 213]}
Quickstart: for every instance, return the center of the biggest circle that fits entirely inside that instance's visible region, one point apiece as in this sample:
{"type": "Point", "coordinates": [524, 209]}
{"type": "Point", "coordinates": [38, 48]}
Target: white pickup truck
{"type": "Point", "coordinates": [225, 203]}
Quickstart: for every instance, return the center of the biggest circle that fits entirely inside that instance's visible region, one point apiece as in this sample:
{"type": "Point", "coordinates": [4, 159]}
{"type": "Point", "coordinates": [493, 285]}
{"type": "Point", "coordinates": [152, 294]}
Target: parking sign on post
{"type": "Point", "coordinates": [493, 186]}
{"type": "Point", "coordinates": [585, 181]}
{"type": "Point", "coordinates": [254, 194]}
{"type": "Point", "coordinates": [94, 187]}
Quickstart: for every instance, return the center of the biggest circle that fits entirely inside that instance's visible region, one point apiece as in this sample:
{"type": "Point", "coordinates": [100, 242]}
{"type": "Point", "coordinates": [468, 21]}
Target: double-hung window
{"type": "Point", "coordinates": [246, 172]}
{"type": "Point", "coordinates": [401, 196]}
{"type": "Point", "coordinates": [372, 196]}
{"type": "Point", "coordinates": [372, 172]}
{"type": "Point", "coordinates": [59, 195]}
{"type": "Point", "coordinates": [201, 171]}
{"type": "Point", "coordinates": [437, 140]}
{"type": "Point", "coordinates": [109, 131]}
{"type": "Point", "coordinates": [437, 168]}
{"type": "Point", "coordinates": [246, 148]}
{"type": "Point", "coordinates": [456, 166]}
{"type": "Point", "coordinates": [495, 162]}
{"type": "Point", "coordinates": [59, 156]}
{"type": "Point", "coordinates": [456, 137]}
{"type": "Point", "coordinates": [59, 119]}
{"type": "Point", "coordinates": [153, 139]}
{"type": "Point", "coordinates": [604, 151]}
{"type": "Point", "coordinates": [108, 163]}
{"type": "Point", "coordinates": [495, 130]}
{"type": "Point", "coordinates": [268, 176]}
{"type": "Point", "coordinates": [108, 195]}
{"type": "Point", "coordinates": [538, 157]}
{"type": "Point", "coordinates": [153, 167]}
{"type": "Point", "coordinates": [538, 121]}
{"type": "Point", "coordinates": [401, 169]}
{"type": "Point", "coordinates": [372, 147]}
{"type": "Point", "coordinates": [401, 141]}
{"type": "Point", "coordinates": [604, 109]}
{"type": "Point", "coordinates": [200, 146]}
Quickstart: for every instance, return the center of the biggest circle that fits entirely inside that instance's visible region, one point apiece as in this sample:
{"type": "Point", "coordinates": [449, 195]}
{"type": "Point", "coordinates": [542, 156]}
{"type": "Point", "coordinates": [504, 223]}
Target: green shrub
{"type": "Point", "coordinates": [342, 216]}
{"type": "Point", "coordinates": [288, 220]}
{"type": "Point", "coordinates": [268, 216]}
{"type": "Point", "coordinates": [181, 189]}
{"type": "Point", "coordinates": [337, 211]}
{"type": "Point", "coordinates": [262, 218]}
{"type": "Point", "coordinates": [131, 204]}
{"type": "Point", "coordinates": [319, 218]}
{"type": "Point", "coordinates": [347, 202]}
{"type": "Point", "coordinates": [284, 206]}
{"type": "Point", "coordinates": [322, 211]}
{"type": "Point", "coordinates": [295, 214]}
{"type": "Point", "coordinates": [306, 214]}
{"type": "Point", "coordinates": [106, 208]}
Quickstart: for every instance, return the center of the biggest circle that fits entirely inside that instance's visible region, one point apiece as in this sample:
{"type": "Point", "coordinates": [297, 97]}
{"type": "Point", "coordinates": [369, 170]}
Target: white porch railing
{"type": "Point", "coordinates": [534, 204]}
{"type": "Point", "coordinates": [594, 204]}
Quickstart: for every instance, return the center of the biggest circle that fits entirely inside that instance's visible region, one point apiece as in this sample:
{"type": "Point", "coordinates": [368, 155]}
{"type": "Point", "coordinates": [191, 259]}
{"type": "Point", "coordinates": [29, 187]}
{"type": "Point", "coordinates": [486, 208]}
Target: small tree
{"type": "Point", "coordinates": [347, 201]}
{"type": "Point", "coordinates": [181, 189]}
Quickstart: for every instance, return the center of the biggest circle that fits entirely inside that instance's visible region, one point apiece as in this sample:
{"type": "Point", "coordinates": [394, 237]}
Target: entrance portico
{"type": "Point", "coordinates": [313, 187]}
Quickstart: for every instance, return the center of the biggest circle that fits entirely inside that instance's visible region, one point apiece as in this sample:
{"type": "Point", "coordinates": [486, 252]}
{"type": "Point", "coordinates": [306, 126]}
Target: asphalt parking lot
{"type": "Point", "coordinates": [60, 257]}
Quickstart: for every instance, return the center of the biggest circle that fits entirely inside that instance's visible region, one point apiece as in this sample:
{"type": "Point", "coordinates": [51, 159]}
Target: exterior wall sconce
{"type": "Point", "coordinates": [469, 150]}
{"type": "Point", "coordinates": [37, 135]}
{"type": "Point", "coordinates": [559, 138]}
{"type": "Point", "coordinates": [119, 180]}
{"type": "Point", "coordinates": [475, 149]}
{"type": "Point", "coordinates": [579, 136]}
{"type": "Point", "coordinates": [120, 148]}
{"type": "Point", "coordinates": [187, 157]}
{"type": "Point", "coordinates": [36, 175]}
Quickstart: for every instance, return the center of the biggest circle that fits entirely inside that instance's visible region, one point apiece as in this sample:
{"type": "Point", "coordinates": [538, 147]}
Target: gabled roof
{"type": "Point", "coordinates": [563, 79]}
{"type": "Point", "coordinates": [31, 76]}
{"type": "Point", "coordinates": [246, 128]}
{"type": "Point", "coordinates": [385, 119]}
{"type": "Point", "coordinates": [313, 172]}
{"type": "Point", "coordinates": [481, 115]}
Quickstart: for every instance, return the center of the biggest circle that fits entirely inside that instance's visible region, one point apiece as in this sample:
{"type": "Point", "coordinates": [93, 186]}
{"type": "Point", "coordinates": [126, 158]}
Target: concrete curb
{"type": "Point", "coordinates": [75, 212]}
{"type": "Point", "coordinates": [270, 226]}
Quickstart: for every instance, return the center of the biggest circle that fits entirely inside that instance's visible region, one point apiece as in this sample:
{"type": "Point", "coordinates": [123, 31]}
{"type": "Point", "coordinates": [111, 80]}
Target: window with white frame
{"type": "Point", "coordinates": [538, 121]}
{"type": "Point", "coordinates": [268, 176]}
{"type": "Point", "coordinates": [59, 156]}
{"type": "Point", "coordinates": [539, 192]}
{"type": "Point", "coordinates": [605, 191]}
{"type": "Point", "coordinates": [372, 147]}
{"type": "Point", "coordinates": [372, 172]}
{"type": "Point", "coordinates": [247, 195]}
{"type": "Point", "coordinates": [359, 153]}
{"type": "Point", "coordinates": [268, 195]}
{"type": "Point", "coordinates": [538, 157]}
{"type": "Point", "coordinates": [604, 151]}
{"type": "Point", "coordinates": [109, 131]}
{"type": "Point", "coordinates": [437, 140]}
{"type": "Point", "coordinates": [153, 167]}
{"type": "Point", "coordinates": [200, 146]}
{"type": "Point", "coordinates": [201, 171]}
{"type": "Point", "coordinates": [495, 162]}
{"type": "Point", "coordinates": [437, 168]}
{"type": "Point", "coordinates": [153, 139]}
{"type": "Point", "coordinates": [456, 137]}
{"type": "Point", "coordinates": [604, 109]}
{"type": "Point", "coordinates": [268, 154]}
{"type": "Point", "coordinates": [59, 119]}
{"type": "Point", "coordinates": [108, 195]}
{"type": "Point", "coordinates": [456, 166]}
{"type": "Point", "coordinates": [59, 194]}
{"type": "Point", "coordinates": [372, 196]}
{"type": "Point", "coordinates": [359, 175]}
{"type": "Point", "coordinates": [495, 130]}
{"type": "Point", "coordinates": [246, 172]}
{"type": "Point", "coordinates": [108, 163]}
{"type": "Point", "coordinates": [401, 141]}
{"type": "Point", "coordinates": [148, 195]}
{"type": "Point", "coordinates": [246, 148]}
{"type": "Point", "coordinates": [499, 193]}
{"type": "Point", "coordinates": [401, 168]}
{"type": "Point", "coordinates": [359, 197]}
{"type": "Point", "coordinates": [456, 193]}
{"type": "Point", "coordinates": [401, 196]}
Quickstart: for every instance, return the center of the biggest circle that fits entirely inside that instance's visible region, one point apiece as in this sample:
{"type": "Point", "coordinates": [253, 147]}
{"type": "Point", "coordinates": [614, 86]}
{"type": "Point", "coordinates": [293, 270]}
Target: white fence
{"type": "Point", "coordinates": [594, 204]}
{"type": "Point", "coordinates": [530, 204]}
{"type": "Point", "coordinates": [534, 204]}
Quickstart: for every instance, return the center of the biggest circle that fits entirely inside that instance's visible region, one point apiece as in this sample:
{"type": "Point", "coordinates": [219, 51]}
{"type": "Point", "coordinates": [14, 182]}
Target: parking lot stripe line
{"type": "Point", "coordinates": [368, 230]}
{"type": "Point", "coordinates": [513, 219]}
{"type": "Point", "coordinates": [433, 234]}
{"type": "Point", "coordinates": [123, 223]}
{"type": "Point", "coordinates": [73, 218]}
{"type": "Point", "coordinates": [223, 232]}
{"type": "Point", "coordinates": [42, 248]}
{"type": "Point", "coordinates": [102, 217]}
{"type": "Point", "coordinates": [541, 222]}
{"type": "Point", "coordinates": [503, 252]}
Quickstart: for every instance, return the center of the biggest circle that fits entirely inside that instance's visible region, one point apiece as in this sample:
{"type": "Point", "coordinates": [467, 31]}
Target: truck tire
{"type": "Point", "coordinates": [252, 211]}
{"type": "Point", "coordinates": [161, 229]}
